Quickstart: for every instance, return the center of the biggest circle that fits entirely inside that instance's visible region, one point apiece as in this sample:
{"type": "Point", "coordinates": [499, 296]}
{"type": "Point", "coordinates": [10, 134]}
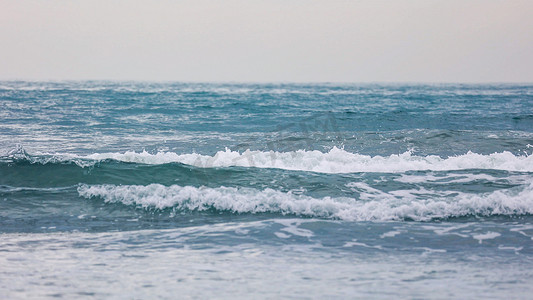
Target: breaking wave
{"type": "Point", "coordinates": [371, 206]}
{"type": "Point", "coordinates": [334, 161]}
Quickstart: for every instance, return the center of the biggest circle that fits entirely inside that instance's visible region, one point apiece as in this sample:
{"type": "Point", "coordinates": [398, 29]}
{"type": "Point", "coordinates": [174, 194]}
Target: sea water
{"type": "Point", "coordinates": [188, 190]}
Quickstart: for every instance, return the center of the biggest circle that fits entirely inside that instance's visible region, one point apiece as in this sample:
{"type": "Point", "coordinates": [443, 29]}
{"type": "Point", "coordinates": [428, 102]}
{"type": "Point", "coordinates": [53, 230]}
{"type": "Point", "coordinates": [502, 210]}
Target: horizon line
{"type": "Point", "coordinates": [287, 82]}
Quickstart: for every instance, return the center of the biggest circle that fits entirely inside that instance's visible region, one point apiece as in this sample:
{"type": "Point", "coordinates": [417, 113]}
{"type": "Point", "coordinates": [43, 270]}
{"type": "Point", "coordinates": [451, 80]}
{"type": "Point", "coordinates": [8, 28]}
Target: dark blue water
{"type": "Point", "coordinates": [273, 190]}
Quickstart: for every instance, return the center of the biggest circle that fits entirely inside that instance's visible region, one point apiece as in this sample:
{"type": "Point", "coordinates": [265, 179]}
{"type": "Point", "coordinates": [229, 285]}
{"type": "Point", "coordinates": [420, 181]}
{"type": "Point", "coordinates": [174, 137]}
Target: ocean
{"type": "Point", "coordinates": [135, 190]}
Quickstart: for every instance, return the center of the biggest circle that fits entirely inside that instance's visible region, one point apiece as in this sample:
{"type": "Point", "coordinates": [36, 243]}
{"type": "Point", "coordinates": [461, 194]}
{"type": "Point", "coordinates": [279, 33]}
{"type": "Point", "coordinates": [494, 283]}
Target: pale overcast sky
{"type": "Point", "coordinates": [273, 41]}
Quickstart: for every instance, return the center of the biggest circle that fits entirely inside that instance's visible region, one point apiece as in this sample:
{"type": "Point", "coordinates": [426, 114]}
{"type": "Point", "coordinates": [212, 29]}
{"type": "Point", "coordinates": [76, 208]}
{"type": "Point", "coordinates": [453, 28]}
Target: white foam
{"type": "Point", "coordinates": [515, 249]}
{"type": "Point", "coordinates": [377, 208]}
{"type": "Point", "coordinates": [390, 234]}
{"type": "Point", "coordinates": [355, 243]}
{"type": "Point", "coordinates": [292, 227]}
{"type": "Point", "coordinates": [334, 161]}
{"type": "Point", "coordinates": [282, 235]}
{"type": "Point", "coordinates": [446, 178]}
{"type": "Point", "coordinates": [486, 236]}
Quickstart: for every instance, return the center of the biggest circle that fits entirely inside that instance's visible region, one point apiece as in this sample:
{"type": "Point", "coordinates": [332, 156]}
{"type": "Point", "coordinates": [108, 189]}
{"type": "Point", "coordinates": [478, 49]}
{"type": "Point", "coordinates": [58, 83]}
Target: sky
{"type": "Point", "coordinates": [267, 41]}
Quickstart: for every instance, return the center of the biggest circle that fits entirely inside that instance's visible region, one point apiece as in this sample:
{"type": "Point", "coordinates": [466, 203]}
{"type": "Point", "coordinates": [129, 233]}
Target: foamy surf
{"type": "Point", "coordinates": [371, 206]}
{"type": "Point", "coordinates": [334, 161]}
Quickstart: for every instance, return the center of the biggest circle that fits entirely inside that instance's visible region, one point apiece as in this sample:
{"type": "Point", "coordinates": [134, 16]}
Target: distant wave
{"type": "Point", "coordinates": [334, 161]}
{"type": "Point", "coordinates": [404, 205]}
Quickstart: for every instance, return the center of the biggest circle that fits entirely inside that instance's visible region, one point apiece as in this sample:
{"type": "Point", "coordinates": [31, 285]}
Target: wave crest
{"type": "Point", "coordinates": [374, 207]}
{"type": "Point", "coordinates": [334, 161]}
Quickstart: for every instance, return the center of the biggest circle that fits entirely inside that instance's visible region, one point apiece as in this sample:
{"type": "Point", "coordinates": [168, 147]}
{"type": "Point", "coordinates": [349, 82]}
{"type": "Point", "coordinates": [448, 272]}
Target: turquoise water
{"type": "Point", "coordinates": [165, 190]}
